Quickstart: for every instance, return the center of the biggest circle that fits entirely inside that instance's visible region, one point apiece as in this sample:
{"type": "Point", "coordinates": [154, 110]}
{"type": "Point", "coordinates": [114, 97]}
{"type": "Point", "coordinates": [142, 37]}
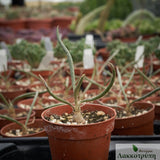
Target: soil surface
{"type": "Point", "coordinates": [90, 117]}
{"type": "Point", "coordinates": [19, 133]}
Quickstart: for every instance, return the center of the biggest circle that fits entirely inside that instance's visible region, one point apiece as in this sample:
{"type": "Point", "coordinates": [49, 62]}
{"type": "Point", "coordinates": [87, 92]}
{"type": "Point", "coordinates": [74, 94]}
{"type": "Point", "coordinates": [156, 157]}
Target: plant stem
{"type": "Point", "coordinates": [31, 108]}
{"type": "Point", "coordinates": [53, 95]}
{"type": "Point", "coordinates": [145, 96]}
{"type": "Point", "coordinates": [106, 89]}
{"type": "Point", "coordinates": [70, 60]}
{"type": "Point", "coordinates": [24, 128]}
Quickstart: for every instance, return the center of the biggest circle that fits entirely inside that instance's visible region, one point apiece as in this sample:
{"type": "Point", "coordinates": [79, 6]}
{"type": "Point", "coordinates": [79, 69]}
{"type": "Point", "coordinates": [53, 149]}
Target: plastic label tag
{"type": "Point", "coordinates": [4, 46]}
{"type": "Point", "coordinates": [137, 151]}
{"type": "Point", "coordinates": [89, 40]}
{"type": "Point", "coordinates": [139, 57]}
{"type": "Point", "coordinates": [46, 61]}
{"type": "Point", "coordinates": [158, 46]}
{"type": "Point", "coordinates": [88, 59]}
{"type": "Point", "coordinates": [18, 40]}
{"type": "Point", "coordinates": [3, 60]}
{"type": "Point", "coordinates": [48, 44]}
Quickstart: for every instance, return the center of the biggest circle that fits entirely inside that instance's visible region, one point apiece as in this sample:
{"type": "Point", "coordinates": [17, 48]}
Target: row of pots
{"type": "Point", "coordinates": [93, 138]}
{"type": "Point", "coordinates": [67, 141]}
{"type": "Point", "coordinates": [18, 24]}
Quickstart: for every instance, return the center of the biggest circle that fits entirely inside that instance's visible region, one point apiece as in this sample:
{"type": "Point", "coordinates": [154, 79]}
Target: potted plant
{"type": "Point", "coordinates": [13, 20]}
{"type": "Point", "coordinates": [9, 109]}
{"type": "Point", "coordinates": [133, 117]}
{"type": "Point", "coordinates": [8, 89]}
{"type": "Point", "coordinates": [25, 128]}
{"type": "Point", "coordinates": [67, 140]}
{"type": "Point", "coordinates": [76, 50]}
{"type": "Point", "coordinates": [40, 105]}
{"type": "Point", "coordinates": [32, 53]}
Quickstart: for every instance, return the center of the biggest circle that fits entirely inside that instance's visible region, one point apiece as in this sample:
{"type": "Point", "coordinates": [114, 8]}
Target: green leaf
{"type": "Point", "coordinates": [135, 148]}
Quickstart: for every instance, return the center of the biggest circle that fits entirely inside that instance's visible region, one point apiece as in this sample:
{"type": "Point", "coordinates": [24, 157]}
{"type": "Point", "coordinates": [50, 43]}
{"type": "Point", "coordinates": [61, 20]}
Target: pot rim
{"type": "Point", "coordinates": [80, 125]}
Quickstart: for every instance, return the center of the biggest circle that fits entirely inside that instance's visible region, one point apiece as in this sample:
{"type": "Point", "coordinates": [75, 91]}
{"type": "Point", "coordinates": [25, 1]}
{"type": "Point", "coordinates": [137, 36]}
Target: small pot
{"type": "Point", "coordinates": [154, 100]}
{"type": "Point", "coordinates": [4, 122]}
{"type": "Point", "coordinates": [62, 22]}
{"type": "Point", "coordinates": [136, 125]}
{"type": "Point", "coordinates": [43, 73]}
{"type": "Point", "coordinates": [60, 93]}
{"type": "Point", "coordinates": [15, 24]}
{"type": "Point", "coordinates": [38, 110]}
{"type": "Point", "coordinates": [103, 53]}
{"type": "Point", "coordinates": [14, 91]}
{"type": "Point", "coordinates": [79, 142]}
{"type": "Point", "coordinates": [39, 23]}
{"type": "Point", "coordinates": [37, 124]}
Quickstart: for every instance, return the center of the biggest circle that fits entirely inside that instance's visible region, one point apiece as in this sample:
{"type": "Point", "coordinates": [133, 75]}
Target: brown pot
{"type": "Point", "coordinates": [60, 93]}
{"type": "Point", "coordinates": [103, 53]}
{"type": "Point", "coordinates": [79, 142]}
{"type": "Point", "coordinates": [43, 73]}
{"type": "Point", "coordinates": [156, 65]}
{"type": "Point", "coordinates": [14, 91]}
{"type": "Point", "coordinates": [4, 122]}
{"type": "Point", "coordinates": [62, 22]}
{"type": "Point", "coordinates": [25, 82]}
{"type": "Point", "coordinates": [39, 23]}
{"type": "Point", "coordinates": [81, 70]}
{"type": "Point", "coordinates": [37, 123]}
{"type": "Point", "coordinates": [37, 110]}
{"type": "Point", "coordinates": [16, 64]}
{"type": "Point", "coordinates": [9, 73]}
{"type": "Point", "coordinates": [154, 100]}
{"type": "Point", "coordinates": [37, 87]}
{"type": "Point", "coordinates": [137, 125]}
{"type": "Point", "coordinates": [16, 24]}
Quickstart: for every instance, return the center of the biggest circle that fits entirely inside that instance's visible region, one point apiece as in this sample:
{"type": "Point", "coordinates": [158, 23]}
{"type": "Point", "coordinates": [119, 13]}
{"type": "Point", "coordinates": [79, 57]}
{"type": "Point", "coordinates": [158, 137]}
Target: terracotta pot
{"type": "Point", "coordinates": [37, 87]}
{"type": "Point", "coordinates": [80, 70]}
{"type": "Point", "coordinates": [155, 100]}
{"type": "Point", "coordinates": [37, 124]}
{"type": "Point", "coordinates": [14, 91]}
{"type": "Point", "coordinates": [156, 65]}
{"type": "Point", "coordinates": [9, 73]}
{"type": "Point", "coordinates": [62, 22]}
{"type": "Point", "coordinates": [43, 73]}
{"type": "Point", "coordinates": [25, 82]}
{"type": "Point", "coordinates": [16, 64]}
{"type": "Point", "coordinates": [4, 122]}
{"type": "Point", "coordinates": [16, 24]}
{"type": "Point", "coordinates": [114, 100]}
{"type": "Point", "coordinates": [60, 93]}
{"type": "Point", "coordinates": [137, 125]}
{"type": "Point", "coordinates": [79, 142]}
{"type": "Point", "coordinates": [39, 23]}
{"type": "Point", "coordinates": [103, 53]}
{"type": "Point", "coordinates": [39, 108]}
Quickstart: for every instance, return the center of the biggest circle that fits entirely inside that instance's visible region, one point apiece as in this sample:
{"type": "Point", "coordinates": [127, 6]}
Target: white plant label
{"type": "Point", "coordinates": [89, 40]}
{"type": "Point", "coordinates": [18, 40]}
{"type": "Point", "coordinates": [46, 61]}
{"type": "Point", "coordinates": [159, 46]}
{"type": "Point", "coordinates": [139, 57]}
{"type": "Point", "coordinates": [88, 59]}
{"type": "Point", "coordinates": [48, 44]}
{"type": "Point", "coordinates": [5, 47]}
{"type": "Point", "coordinates": [3, 60]}
{"type": "Point", "coordinates": [138, 151]}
